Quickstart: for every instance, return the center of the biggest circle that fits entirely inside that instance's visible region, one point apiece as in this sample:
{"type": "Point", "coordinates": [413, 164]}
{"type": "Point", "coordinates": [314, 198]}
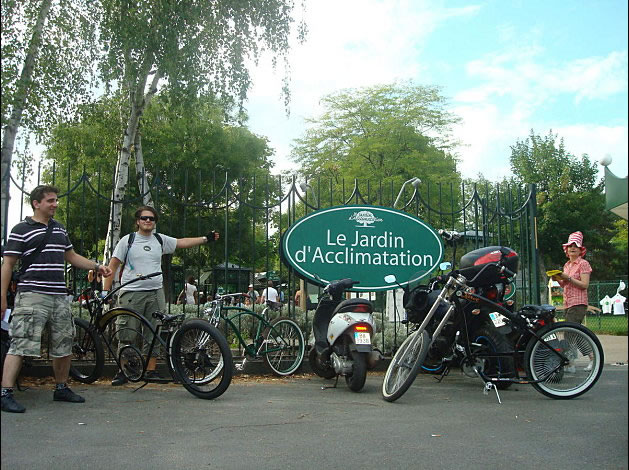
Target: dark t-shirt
{"type": "Point", "coordinates": [46, 272]}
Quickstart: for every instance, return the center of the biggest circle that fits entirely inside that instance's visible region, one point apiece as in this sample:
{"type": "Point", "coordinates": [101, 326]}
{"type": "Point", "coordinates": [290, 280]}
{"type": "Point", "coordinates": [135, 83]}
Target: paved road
{"type": "Point", "coordinates": [293, 424]}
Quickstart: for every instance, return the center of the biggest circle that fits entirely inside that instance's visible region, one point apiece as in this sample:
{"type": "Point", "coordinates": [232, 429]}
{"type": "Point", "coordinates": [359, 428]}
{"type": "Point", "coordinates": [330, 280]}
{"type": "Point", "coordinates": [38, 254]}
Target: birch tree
{"type": "Point", "coordinates": [47, 53]}
{"type": "Point", "coordinates": [188, 46]}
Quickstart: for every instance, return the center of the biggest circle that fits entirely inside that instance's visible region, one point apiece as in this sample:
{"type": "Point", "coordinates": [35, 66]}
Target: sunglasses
{"type": "Point", "coordinates": [147, 217]}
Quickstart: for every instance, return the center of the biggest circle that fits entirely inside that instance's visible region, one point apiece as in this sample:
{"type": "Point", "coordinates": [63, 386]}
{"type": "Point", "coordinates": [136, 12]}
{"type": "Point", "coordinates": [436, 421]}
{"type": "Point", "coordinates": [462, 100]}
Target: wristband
{"type": "Point", "coordinates": [96, 268]}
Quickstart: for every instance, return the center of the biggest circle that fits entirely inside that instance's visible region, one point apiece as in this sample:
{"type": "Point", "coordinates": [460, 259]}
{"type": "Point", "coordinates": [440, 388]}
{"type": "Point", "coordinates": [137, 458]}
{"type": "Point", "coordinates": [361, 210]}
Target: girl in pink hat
{"type": "Point", "coordinates": [575, 278]}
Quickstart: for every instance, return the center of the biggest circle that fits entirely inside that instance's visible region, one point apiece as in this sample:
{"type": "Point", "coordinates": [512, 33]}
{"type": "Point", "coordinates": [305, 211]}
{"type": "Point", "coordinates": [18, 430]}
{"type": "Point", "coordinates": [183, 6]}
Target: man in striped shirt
{"type": "Point", "coordinates": [41, 296]}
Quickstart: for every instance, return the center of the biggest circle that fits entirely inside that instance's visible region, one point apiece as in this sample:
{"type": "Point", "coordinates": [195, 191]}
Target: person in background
{"type": "Point", "coordinates": [253, 296]}
{"type": "Point", "coordinates": [41, 296]}
{"type": "Point", "coordinates": [139, 258]}
{"type": "Point", "coordinates": [271, 295]}
{"type": "Point", "coordinates": [191, 291]}
{"type": "Point", "coordinates": [575, 279]}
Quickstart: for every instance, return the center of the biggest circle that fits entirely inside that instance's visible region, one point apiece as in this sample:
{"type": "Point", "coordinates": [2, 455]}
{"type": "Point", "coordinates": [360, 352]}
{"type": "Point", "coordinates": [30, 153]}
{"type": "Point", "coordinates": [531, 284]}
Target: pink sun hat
{"type": "Point", "coordinates": [575, 238]}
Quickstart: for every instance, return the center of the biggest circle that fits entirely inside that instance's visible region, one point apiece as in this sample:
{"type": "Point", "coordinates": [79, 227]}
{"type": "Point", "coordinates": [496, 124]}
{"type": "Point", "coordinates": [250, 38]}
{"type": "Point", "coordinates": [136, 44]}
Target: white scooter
{"type": "Point", "coordinates": [343, 331]}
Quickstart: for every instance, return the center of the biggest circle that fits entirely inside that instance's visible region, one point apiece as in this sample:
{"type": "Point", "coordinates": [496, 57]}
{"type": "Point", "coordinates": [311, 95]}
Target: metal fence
{"type": "Point", "coordinates": [252, 213]}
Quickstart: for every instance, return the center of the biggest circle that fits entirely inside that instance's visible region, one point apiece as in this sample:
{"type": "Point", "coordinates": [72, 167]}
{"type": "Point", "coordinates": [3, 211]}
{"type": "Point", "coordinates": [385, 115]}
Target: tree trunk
{"type": "Point", "coordinates": [542, 269]}
{"type": "Point", "coordinates": [122, 166]}
{"type": "Point", "coordinates": [140, 171]}
{"type": "Point", "coordinates": [23, 89]}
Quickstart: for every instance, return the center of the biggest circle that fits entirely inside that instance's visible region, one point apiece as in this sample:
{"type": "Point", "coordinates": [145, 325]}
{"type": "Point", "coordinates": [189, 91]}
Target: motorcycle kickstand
{"type": "Point", "coordinates": [444, 373]}
{"type": "Point", "coordinates": [488, 387]}
{"type": "Point", "coordinates": [141, 386]}
{"type": "Point", "coordinates": [324, 387]}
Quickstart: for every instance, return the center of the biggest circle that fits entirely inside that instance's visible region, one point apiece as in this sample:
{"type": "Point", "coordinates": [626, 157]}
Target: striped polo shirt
{"type": "Point", "coordinates": [46, 274]}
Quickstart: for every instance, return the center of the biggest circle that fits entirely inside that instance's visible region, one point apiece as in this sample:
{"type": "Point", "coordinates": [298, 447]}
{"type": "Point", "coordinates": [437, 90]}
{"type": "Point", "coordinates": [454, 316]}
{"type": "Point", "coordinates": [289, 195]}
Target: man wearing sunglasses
{"type": "Point", "coordinates": [140, 257]}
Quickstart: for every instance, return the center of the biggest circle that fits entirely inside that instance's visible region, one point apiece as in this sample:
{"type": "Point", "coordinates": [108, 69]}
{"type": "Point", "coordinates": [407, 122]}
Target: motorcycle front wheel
{"type": "Point", "coordinates": [579, 345]}
{"type": "Point", "coordinates": [405, 365]}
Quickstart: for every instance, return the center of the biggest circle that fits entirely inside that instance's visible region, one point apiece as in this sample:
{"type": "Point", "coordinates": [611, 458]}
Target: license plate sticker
{"type": "Point", "coordinates": [362, 338]}
{"type": "Point", "coordinates": [499, 320]}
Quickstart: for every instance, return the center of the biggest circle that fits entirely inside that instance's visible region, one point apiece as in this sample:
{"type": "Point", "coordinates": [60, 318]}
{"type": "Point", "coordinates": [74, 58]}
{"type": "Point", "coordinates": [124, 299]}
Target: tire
{"type": "Point", "coordinates": [405, 365]}
{"type": "Point", "coordinates": [579, 345]}
{"type": "Point", "coordinates": [356, 381]}
{"type": "Point", "coordinates": [284, 346]}
{"type": "Point", "coordinates": [322, 370]}
{"type": "Point", "coordinates": [497, 367]}
{"type": "Point", "coordinates": [201, 359]}
{"type": "Point", "coordinates": [432, 368]}
{"type": "Point", "coordinates": [88, 355]}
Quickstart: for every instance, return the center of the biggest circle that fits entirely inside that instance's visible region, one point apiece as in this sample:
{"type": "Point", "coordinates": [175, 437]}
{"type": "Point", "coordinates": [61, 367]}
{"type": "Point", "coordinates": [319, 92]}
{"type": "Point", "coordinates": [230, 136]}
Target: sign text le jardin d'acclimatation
{"type": "Point", "coordinates": [364, 243]}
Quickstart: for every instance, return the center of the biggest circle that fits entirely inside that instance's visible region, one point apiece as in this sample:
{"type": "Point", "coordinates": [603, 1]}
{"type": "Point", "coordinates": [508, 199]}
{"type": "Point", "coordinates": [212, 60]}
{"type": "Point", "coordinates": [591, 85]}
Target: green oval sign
{"type": "Point", "coordinates": [364, 243]}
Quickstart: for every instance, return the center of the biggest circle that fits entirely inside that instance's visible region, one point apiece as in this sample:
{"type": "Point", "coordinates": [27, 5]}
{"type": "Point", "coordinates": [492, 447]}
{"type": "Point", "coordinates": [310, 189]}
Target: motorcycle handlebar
{"type": "Point", "coordinates": [450, 235]}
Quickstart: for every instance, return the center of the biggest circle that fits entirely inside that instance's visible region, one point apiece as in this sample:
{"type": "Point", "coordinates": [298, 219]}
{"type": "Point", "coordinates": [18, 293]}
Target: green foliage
{"type": "Point", "coordinates": [194, 45]}
{"type": "Point", "coordinates": [62, 72]}
{"type": "Point", "coordinates": [569, 199]}
{"type": "Point", "coordinates": [387, 133]}
{"type": "Point", "coordinates": [190, 147]}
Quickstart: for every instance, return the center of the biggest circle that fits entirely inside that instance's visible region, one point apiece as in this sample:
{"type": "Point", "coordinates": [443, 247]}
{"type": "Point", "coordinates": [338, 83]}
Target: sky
{"type": "Point", "coordinates": [506, 67]}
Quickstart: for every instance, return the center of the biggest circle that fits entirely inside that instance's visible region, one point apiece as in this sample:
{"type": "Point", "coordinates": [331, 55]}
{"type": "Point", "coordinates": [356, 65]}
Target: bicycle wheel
{"type": "Point", "coordinates": [579, 345]}
{"type": "Point", "coordinates": [491, 341]}
{"type": "Point", "coordinates": [405, 365]}
{"type": "Point", "coordinates": [284, 346]}
{"type": "Point", "coordinates": [201, 359]}
{"type": "Point", "coordinates": [88, 356]}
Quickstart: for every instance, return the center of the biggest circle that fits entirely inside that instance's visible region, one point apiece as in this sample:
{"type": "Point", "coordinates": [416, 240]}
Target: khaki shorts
{"type": "Point", "coordinates": [29, 318]}
{"type": "Point", "coordinates": [576, 313]}
{"type": "Point", "coordinates": [144, 303]}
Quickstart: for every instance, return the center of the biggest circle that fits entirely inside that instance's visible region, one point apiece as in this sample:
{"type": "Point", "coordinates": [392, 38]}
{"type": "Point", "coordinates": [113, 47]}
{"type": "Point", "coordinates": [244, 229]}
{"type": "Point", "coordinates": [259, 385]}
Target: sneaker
{"type": "Point", "coordinates": [588, 368]}
{"type": "Point", "coordinates": [10, 405]}
{"type": "Point", "coordinates": [570, 369]}
{"type": "Point", "coordinates": [65, 394]}
{"type": "Point", "coordinates": [119, 379]}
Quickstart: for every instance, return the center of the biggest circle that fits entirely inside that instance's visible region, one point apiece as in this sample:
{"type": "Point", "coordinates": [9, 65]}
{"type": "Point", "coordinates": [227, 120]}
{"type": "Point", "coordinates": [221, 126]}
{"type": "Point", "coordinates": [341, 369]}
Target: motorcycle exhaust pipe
{"type": "Point", "coordinates": [373, 358]}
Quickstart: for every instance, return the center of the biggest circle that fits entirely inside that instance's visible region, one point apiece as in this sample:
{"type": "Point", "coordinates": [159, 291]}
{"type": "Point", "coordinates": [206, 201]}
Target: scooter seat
{"type": "Point", "coordinates": [354, 305]}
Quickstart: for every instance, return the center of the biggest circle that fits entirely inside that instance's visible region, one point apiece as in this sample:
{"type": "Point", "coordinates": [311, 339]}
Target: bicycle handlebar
{"type": "Point", "coordinates": [110, 293]}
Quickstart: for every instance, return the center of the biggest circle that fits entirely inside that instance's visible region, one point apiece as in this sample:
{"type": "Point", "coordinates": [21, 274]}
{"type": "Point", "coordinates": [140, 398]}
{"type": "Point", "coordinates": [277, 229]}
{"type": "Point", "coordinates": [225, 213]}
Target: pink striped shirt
{"type": "Point", "coordinates": [573, 295]}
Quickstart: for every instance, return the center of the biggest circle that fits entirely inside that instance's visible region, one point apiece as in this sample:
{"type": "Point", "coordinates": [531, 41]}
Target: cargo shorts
{"type": "Point", "coordinates": [32, 312]}
{"type": "Point", "coordinates": [145, 303]}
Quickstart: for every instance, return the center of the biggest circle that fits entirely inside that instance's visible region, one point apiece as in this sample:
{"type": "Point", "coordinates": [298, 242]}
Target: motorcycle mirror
{"type": "Point", "coordinates": [390, 279]}
{"type": "Point", "coordinates": [445, 266]}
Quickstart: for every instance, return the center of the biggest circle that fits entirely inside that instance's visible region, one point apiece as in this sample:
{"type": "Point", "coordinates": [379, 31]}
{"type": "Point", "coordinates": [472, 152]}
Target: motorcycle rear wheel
{"type": "Point", "coordinates": [356, 381]}
{"type": "Point", "coordinates": [579, 345]}
{"type": "Point", "coordinates": [405, 365]}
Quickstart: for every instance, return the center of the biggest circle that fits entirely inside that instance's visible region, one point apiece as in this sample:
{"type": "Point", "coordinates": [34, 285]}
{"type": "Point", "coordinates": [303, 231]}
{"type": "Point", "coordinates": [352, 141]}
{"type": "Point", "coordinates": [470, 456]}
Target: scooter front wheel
{"type": "Point", "coordinates": [405, 365]}
{"type": "Point", "coordinates": [322, 370]}
{"type": "Point", "coordinates": [356, 381]}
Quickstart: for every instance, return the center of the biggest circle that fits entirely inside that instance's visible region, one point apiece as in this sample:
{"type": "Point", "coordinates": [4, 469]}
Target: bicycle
{"type": "Point", "coordinates": [280, 342]}
{"type": "Point", "coordinates": [561, 360]}
{"type": "Point", "coordinates": [197, 354]}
